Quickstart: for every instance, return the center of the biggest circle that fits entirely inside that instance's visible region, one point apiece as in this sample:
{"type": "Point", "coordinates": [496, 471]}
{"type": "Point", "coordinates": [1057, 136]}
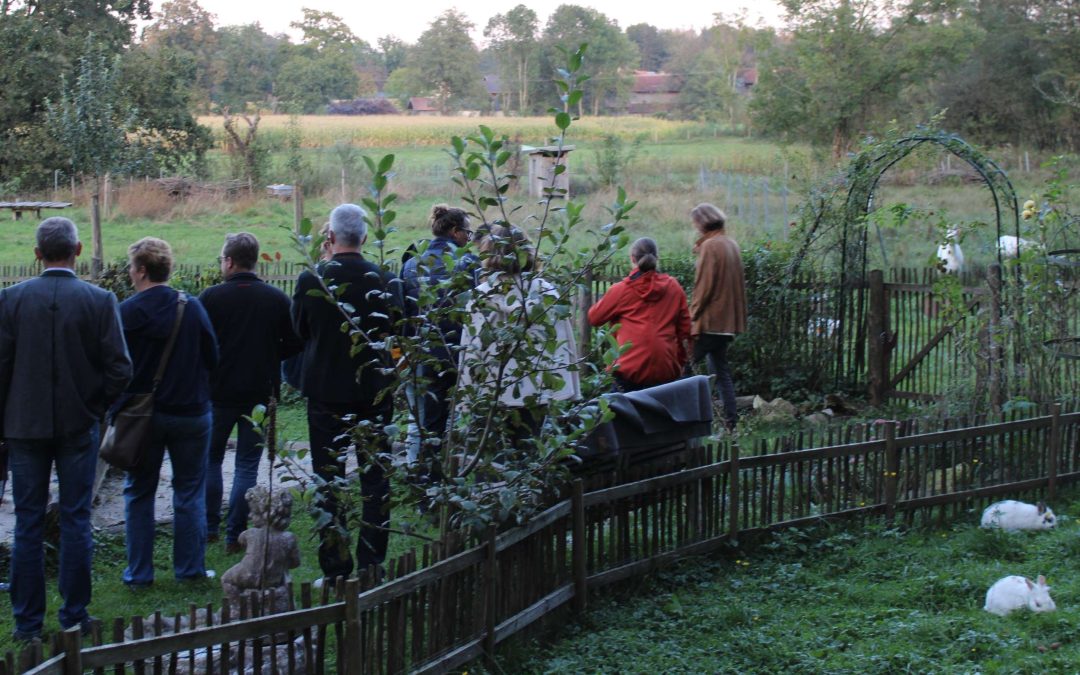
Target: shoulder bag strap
{"type": "Point", "coordinates": [181, 303]}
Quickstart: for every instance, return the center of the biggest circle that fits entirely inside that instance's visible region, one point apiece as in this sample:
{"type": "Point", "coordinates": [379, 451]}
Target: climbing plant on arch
{"type": "Point", "coordinates": [835, 227]}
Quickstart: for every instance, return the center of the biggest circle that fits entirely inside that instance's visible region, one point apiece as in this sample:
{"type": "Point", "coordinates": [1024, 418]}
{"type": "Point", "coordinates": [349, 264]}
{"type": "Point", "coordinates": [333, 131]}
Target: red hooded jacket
{"type": "Point", "coordinates": [651, 308]}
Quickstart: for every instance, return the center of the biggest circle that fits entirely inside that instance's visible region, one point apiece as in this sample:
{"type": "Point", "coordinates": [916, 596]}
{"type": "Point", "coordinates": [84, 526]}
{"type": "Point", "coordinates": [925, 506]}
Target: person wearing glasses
{"type": "Point", "coordinates": [434, 377]}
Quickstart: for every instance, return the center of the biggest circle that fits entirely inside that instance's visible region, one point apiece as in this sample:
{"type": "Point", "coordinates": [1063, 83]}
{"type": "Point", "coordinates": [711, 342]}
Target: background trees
{"type": "Point", "coordinates": [514, 43]}
{"type": "Point", "coordinates": [448, 62]}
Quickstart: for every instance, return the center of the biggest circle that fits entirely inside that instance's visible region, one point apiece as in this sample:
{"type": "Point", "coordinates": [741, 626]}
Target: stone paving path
{"type": "Point", "coordinates": [108, 515]}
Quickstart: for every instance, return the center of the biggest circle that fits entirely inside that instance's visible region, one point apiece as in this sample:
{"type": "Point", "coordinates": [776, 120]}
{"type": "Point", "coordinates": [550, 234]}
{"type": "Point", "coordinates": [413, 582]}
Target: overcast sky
{"type": "Point", "coordinates": [407, 19]}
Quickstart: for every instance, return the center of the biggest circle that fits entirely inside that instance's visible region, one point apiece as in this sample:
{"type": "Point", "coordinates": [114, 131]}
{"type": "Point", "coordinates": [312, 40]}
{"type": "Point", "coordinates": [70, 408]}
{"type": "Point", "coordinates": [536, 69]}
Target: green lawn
{"type": "Point", "coordinates": [835, 599]}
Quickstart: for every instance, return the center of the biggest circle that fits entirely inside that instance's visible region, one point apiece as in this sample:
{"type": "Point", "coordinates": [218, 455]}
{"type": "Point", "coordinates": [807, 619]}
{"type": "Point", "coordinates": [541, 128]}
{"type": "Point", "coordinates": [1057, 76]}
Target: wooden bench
{"type": "Point", "coordinates": [18, 207]}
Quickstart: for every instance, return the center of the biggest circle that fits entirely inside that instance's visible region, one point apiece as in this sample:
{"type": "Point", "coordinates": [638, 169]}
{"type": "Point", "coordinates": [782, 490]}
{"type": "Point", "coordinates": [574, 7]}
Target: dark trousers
{"type": "Point", "coordinates": [248, 454]}
{"type": "Point", "coordinates": [713, 350]}
{"type": "Point", "coordinates": [330, 440]}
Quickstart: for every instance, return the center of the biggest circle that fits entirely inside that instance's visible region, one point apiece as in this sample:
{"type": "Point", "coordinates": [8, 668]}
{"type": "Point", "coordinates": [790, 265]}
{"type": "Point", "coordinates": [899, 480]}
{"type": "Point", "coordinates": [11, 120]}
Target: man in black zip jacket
{"type": "Point", "coordinates": [254, 331]}
{"type": "Point", "coordinates": [344, 377]}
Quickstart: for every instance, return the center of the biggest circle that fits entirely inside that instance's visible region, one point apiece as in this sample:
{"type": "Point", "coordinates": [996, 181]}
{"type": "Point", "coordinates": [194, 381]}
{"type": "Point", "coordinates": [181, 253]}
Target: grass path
{"type": "Point", "coordinates": [837, 599]}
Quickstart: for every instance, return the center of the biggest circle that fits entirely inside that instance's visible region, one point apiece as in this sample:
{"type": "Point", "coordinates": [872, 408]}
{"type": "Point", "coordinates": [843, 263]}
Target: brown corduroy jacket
{"type": "Point", "coordinates": [719, 299]}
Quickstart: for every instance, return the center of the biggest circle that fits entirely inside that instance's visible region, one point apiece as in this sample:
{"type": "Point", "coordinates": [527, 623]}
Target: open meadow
{"type": "Point", "coordinates": [667, 167]}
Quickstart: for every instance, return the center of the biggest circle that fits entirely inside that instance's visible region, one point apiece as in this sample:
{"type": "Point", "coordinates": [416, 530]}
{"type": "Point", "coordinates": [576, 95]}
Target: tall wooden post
{"type": "Point", "coordinates": [733, 494]}
{"type": "Point", "coordinates": [298, 206]}
{"type": "Point", "coordinates": [71, 641]}
{"type": "Point", "coordinates": [1055, 453]}
{"type": "Point", "coordinates": [581, 583]}
{"type": "Point", "coordinates": [996, 367]}
{"type": "Point", "coordinates": [585, 301]}
{"type": "Point", "coordinates": [892, 471]}
{"type": "Point", "coordinates": [354, 639]}
{"type": "Point", "coordinates": [97, 263]}
{"type": "Point", "coordinates": [877, 337]}
{"type": "Point", "coordinates": [491, 591]}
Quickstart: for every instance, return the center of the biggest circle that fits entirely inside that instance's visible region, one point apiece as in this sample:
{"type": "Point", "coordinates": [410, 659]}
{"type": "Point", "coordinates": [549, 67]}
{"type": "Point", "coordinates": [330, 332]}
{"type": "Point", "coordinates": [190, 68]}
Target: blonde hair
{"type": "Point", "coordinates": [707, 217]}
{"type": "Point", "coordinates": [153, 254]}
{"type": "Point", "coordinates": [508, 249]}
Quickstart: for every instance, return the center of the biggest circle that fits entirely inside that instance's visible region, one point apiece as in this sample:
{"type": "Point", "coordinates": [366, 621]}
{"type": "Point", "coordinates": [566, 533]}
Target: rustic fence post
{"type": "Point", "coordinates": [491, 591]}
{"type": "Point", "coordinates": [581, 582]}
{"type": "Point", "coordinates": [585, 301]}
{"type": "Point", "coordinates": [996, 366]}
{"type": "Point", "coordinates": [733, 494]}
{"type": "Point", "coordinates": [892, 471]}
{"type": "Point", "coordinates": [1055, 452]}
{"type": "Point", "coordinates": [71, 639]}
{"type": "Point", "coordinates": [877, 350]}
{"type": "Point", "coordinates": [353, 642]}
{"type": "Point", "coordinates": [97, 262]}
{"type": "Point", "coordinates": [298, 206]}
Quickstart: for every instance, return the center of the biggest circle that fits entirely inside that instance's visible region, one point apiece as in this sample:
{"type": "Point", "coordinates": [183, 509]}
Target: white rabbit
{"type": "Point", "coordinates": [1013, 515]}
{"type": "Point", "coordinates": [950, 255]}
{"type": "Point", "coordinates": [1014, 592]}
{"type": "Point", "coordinates": [1010, 246]}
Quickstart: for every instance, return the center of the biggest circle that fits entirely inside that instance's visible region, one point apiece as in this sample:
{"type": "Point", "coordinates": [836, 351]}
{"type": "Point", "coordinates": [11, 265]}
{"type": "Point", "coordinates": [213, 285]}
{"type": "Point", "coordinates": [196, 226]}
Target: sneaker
{"type": "Point", "coordinates": [20, 636]}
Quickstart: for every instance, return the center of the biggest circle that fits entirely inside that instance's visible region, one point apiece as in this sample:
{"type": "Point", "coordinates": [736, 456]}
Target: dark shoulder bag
{"type": "Point", "coordinates": [127, 433]}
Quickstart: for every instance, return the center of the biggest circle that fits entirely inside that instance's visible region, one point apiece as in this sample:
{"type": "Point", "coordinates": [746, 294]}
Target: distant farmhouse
{"type": "Point", "coordinates": [653, 93]}
{"type": "Point", "coordinates": [422, 105]}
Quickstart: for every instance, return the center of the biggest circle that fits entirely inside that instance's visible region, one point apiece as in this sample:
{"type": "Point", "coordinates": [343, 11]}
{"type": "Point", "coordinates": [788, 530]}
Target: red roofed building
{"type": "Point", "coordinates": [422, 105]}
{"type": "Point", "coordinates": [653, 93]}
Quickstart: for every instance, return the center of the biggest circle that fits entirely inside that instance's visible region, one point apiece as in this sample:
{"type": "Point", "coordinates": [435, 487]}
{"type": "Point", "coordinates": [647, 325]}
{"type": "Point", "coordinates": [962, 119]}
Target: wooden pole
{"type": "Point", "coordinates": [585, 301]}
{"type": "Point", "coordinates": [491, 591]}
{"type": "Point", "coordinates": [97, 263]}
{"type": "Point", "coordinates": [353, 642]}
{"type": "Point", "coordinates": [892, 471]}
{"type": "Point", "coordinates": [877, 338]}
{"type": "Point", "coordinates": [733, 494]}
{"type": "Point", "coordinates": [996, 366]}
{"type": "Point", "coordinates": [71, 640]}
{"type": "Point", "coordinates": [1055, 453]}
{"type": "Point", "coordinates": [581, 583]}
{"type": "Point", "coordinates": [298, 206]}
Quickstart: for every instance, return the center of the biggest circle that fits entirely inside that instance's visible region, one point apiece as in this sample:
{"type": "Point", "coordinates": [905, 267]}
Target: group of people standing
{"type": "Point", "coordinates": [69, 352]}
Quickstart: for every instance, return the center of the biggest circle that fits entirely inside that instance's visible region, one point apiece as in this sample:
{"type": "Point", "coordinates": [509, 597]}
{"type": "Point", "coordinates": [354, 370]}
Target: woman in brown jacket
{"type": "Point", "coordinates": [718, 306]}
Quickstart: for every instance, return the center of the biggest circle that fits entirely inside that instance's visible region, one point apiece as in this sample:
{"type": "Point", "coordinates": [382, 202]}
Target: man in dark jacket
{"type": "Point", "coordinates": [63, 362]}
{"type": "Point", "coordinates": [344, 374]}
{"type": "Point", "coordinates": [254, 331]}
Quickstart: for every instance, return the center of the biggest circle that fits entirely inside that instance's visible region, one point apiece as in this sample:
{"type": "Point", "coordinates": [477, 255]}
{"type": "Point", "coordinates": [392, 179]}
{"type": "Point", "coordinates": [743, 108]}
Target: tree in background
{"type": "Point", "coordinates": [246, 65]}
{"type": "Point", "coordinates": [448, 62]}
{"type": "Point", "coordinates": [94, 124]}
{"type": "Point", "coordinates": [404, 83]}
{"type": "Point", "coordinates": [612, 56]}
{"type": "Point", "coordinates": [844, 68]}
{"type": "Point", "coordinates": [187, 29]}
{"type": "Point", "coordinates": [323, 66]}
{"type": "Point", "coordinates": [394, 52]}
{"type": "Point", "coordinates": [513, 40]}
{"type": "Point", "coordinates": [653, 48]}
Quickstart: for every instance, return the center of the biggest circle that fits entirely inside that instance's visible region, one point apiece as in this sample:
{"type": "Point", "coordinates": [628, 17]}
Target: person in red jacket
{"type": "Point", "coordinates": [654, 319]}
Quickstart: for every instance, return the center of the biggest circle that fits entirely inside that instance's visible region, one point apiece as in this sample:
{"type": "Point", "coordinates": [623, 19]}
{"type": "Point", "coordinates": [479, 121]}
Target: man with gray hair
{"type": "Point", "coordinates": [343, 379]}
{"type": "Point", "coordinates": [63, 362]}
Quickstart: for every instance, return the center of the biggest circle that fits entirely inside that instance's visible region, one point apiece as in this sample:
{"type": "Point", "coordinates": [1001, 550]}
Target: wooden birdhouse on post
{"type": "Point", "coordinates": [542, 162]}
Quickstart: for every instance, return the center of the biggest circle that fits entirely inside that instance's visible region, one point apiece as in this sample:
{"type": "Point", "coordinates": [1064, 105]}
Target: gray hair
{"type": "Point", "coordinates": [57, 239]}
{"type": "Point", "coordinates": [349, 223]}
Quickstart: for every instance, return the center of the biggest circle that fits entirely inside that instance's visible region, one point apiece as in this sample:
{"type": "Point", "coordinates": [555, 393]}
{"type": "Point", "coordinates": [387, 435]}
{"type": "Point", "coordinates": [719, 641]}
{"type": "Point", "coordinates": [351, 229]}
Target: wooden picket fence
{"type": "Point", "coordinates": [454, 602]}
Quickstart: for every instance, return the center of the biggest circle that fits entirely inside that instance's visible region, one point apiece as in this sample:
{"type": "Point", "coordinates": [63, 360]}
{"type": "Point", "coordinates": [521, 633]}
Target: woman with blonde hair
{"type": "Point", "coordinates": [181, 420]}
{"type": "Point", "coordinates": [718, 303]}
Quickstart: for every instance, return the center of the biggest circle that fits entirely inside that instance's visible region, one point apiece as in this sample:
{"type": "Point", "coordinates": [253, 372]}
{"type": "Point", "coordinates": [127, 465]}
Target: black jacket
{"type": "Point", "coordinates": [148, 318]}
{"type": "Point", "coordinates": [330, 374]}
{"type": "Point", "coordinates": [254, 332]}
{"type": "Point", "coordinates": [63, 360]}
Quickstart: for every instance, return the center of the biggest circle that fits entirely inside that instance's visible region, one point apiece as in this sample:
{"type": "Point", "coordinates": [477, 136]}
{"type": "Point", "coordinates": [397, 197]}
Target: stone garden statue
{"type": "Point", "coordinates": [270, 551]}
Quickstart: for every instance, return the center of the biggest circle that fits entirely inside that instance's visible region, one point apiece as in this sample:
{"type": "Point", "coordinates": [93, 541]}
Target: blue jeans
{"type": "Point", "coordinates": [188, 440]}
{"type": "Point", "coordinates": [31, 464]}
{"type": "Point", "coordinates": [248, 454]}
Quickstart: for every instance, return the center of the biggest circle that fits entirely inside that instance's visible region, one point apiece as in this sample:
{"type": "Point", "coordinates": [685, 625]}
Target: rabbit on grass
{"type": "Point", "coordinates": [1013, 515]}
{"type": "Point", "coordinates": [1016, 592]}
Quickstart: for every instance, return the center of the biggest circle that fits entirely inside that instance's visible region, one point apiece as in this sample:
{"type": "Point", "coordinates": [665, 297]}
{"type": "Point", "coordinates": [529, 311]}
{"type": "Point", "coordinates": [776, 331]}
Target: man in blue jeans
{"type": "Point", "coordinates": [254, 331]}
{"type": "Point", "coordinates": [63, 361]}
